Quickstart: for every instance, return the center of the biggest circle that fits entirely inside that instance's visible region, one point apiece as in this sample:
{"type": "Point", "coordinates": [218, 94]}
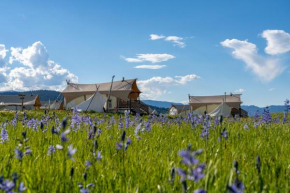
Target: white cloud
{"type": "Point", "coordinates": [271, 89]}
{"type": "Point", "coordinates": [154, 67]}
{"type": "Point", "coordinates": [37, 70]}
{"type": "Point", "coordinates": [154, 58]}
{"type": "Point", "coordinates": [266, 68]}
{"type": "Point", "coordinates": [156, 37]}
{"type": "Point", "coordinates": [2, 54]}
{"type": "Point", "coordinates": [278, 41]}
{"type": "Point", "coordinates": [177, 41]}
{"type": "Point", "coordinates": [240, 90]}
{"type": "Point", "coordinates": [155, 87]}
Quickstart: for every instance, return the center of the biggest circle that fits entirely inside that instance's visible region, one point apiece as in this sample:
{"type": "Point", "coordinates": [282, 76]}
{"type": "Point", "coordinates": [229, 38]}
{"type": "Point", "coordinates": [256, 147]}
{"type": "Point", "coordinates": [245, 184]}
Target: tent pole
{"type": "Point", "coordinates": [108, 99]}
{"type": "Point", "coordinates": [92, 98]}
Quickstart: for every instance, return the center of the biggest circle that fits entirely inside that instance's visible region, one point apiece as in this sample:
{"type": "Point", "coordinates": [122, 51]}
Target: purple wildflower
{"type": "Point", "coordinates": [128, 142]}
{"type": "Point", "coordinates": [224, 133]}
{"type": "Point", "coordinates": [119, 146]}
{"type": "Point", "coordinates": [63, 136]}
{"type": "Point", "coordinates": [200, 191]}
{"type": "Point", "coordinates": [266, 117]}
{"type": "Point", "coordinates": [236, 187]}
{"type": "Point", "coordinates": [51, 150]}
{"type": "Point", "coordinates": [4, 135]}
{"type": "Point", "coordinates": [99, 156]}
{"type": "Point", "coordinates": [18, 154]}
{"type": "Point", "coordinates": [88, 164]}
{"type": "Point", "coordinates": [246, 126]}
{"type": "Point", "coordinates": [188, 158]}
{"type": "Point", "coordinates": [21, 187]}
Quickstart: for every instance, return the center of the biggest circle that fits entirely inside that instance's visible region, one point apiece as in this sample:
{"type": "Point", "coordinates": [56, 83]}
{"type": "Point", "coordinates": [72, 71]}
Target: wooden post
{"type": "Point", "coordinates": [22, 98]}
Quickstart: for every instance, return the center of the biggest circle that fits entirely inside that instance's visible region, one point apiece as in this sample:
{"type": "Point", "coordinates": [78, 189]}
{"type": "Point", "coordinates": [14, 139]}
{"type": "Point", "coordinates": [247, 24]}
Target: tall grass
{"type": "Point", "coordinates": [147, 163]}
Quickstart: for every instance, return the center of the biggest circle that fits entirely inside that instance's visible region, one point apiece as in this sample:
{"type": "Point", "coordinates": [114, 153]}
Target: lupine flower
{"type": "Point", "coordinates": [197, 173]}
{"type": "Point", "coordinates": [119, 145]}
{"type": "Point", "coordinates": [147, 126]}
{"type": "Point", "coordinates": [127, 121]}
{"type": "Point", "coordinates": [182, 174]}
{"type": "Point", "coordinates": [28, 152]}
{"type": "Point", "coordinates": [200, 191]}
{"type": "Point", "coordinates": [7, 186]}
{"type": "Point", "coordinates": [128, 142]}
{"type": "Point", "coordinates": [236, 187]}
{"type": "Point", "coordinates": [71, 152]}
{"type": "Point", "coordinates": [138, 128]}
{"type": "Point", "coordinates": [63, 136]}
{"type": "Point", "coordinates": [4, 135]}
{"type": "Point", "coordinates": [18, 154]}
{"type": "Point", "coordinates": [120, 124]}
{"type": "Point", "coordinates": [51, 150]}
{"type": "Point", "coordinates": [99, 156]}
{"type": "Point", "coordinates": [21, 187]}
{"type": "Point", "coordinates": [246, 126]}
{"type": "Point", "coordinates": [204, 133]}
{"type": "Point", "coordinates": [266, 117]}
{"type": "Point", "coordinates": [88, 164]}
{"type": "Point", "coordinates": [188, 158]}
{"type": "Point", "coordinates": [224, 133]}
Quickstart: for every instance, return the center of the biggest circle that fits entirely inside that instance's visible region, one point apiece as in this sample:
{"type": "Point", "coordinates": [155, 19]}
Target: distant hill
{"type": "Point", "coordinates": [252, 109]}
{"type": "Point", "coordinates": [44, 95]}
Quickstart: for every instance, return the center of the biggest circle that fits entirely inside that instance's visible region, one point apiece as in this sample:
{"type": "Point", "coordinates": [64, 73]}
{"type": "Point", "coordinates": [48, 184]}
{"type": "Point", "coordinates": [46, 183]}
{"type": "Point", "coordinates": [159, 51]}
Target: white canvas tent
{"type": "Point", "coordinates": [95, 102]}
{"type": "Point", "coordinates": [222, 109]}
{"type": "Point", "coordinates": [215, 104]}
{"type": "Point", "coordinates": [125, 90]}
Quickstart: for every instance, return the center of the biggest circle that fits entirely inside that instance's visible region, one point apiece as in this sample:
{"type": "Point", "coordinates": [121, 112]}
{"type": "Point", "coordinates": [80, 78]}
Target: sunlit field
{"type": "Point", "coordinates": [77, 152]}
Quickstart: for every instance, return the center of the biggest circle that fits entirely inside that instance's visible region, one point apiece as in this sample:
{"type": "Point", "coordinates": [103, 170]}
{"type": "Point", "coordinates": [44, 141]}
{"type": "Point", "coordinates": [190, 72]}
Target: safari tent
{"type": "Point", "coordinates": [216, 105]}
{"type": "Point", "coordinates": [13, 102]}
{"type": "Point", "coordinates": [124, 95]}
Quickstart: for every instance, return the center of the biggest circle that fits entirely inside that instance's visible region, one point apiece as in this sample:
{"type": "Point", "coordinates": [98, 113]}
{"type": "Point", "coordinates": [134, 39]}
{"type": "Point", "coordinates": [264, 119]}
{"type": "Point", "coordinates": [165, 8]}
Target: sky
{"type": "Point", "coordinates": [173, 48]}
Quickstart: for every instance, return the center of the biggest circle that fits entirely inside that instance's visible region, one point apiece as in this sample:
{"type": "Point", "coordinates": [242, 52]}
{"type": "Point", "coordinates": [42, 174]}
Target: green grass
{"type": "Point", "coordinates": [147, 163]}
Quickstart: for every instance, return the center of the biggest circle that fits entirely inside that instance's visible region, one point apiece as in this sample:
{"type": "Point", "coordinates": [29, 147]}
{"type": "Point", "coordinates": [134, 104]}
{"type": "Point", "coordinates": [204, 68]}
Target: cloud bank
{"type": "Point", "coordinates": [31, 68]}
{"type": "Point", "coordinates": [155, 87]}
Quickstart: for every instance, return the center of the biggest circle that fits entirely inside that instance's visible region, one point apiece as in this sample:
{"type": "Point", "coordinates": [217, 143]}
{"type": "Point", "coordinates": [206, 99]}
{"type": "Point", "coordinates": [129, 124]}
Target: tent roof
{"type": "Point", "coordinates": [120, 89]}
{"type": "Point", "coordinates": [235, 98]}
{"type": "Point", "coordinates": [14, 100]}
{"type": "Point", "coordinates": [199, 101]}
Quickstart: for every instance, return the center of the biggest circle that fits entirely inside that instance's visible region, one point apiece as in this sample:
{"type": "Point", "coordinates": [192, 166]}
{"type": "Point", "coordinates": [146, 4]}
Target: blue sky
{"type": "Point", "coordinates": [44, 43]}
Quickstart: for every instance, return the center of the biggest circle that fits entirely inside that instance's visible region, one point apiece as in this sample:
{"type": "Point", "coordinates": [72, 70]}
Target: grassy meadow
{"type": "Point", "coordinates": [71, 152]}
